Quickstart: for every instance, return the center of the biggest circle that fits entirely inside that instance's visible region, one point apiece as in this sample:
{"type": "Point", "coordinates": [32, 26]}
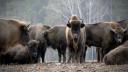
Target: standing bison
{"type": "Point", "coordinates": [117, 56]}
{"type": "Point", "coordinates": [12, 32]}
{"type": "Point", "coordinates": [35, 33]}
{"type": "Point", "coordinates": [76, 37]}
{"type": "Point", "coordinates": [21, 54]}
{"type": "Point", "coordinates": [105, 36]}
{"type": "Point", "coordinates": [55, 38]}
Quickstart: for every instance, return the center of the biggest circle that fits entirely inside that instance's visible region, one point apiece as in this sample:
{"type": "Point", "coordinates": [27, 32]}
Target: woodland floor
{"type": "Point", "coordinates": [60, 67]}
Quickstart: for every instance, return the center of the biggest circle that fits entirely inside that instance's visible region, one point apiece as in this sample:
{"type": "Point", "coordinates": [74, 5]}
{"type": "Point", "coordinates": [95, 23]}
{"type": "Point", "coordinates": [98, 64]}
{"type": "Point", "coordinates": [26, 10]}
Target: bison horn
{"type": "Point", "coordinates": [68, 24]}
{"type": "Point", "coordinates": [82, 20]}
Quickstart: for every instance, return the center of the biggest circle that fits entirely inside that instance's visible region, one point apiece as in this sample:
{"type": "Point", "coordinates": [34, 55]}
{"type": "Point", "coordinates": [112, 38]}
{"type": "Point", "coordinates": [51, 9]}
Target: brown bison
{"type": "Point", "coordinates": [117, 56]}
{"type": "Point", "coordinates": [105, 36]}
{"type": "Point", "coordinates": [11, 33]}
{"type": "Point", "coordinates": [55, 38]}
{"type": "Point", "coordinates": [36, 33]}
{"type": "Point", "coordinates": [21, 54]}
{"type": "Point", "coordinates": [76, 38]}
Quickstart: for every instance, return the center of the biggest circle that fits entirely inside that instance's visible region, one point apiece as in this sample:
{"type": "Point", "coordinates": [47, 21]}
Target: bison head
{"type": "Point", "coordinates": [117, 32]}
{"type": "Point", "coordinates": [75, 24]}
{"type": "Point", "coordinates": [33, 48]}
{"type": "Point", "coordinates": [124, 24]}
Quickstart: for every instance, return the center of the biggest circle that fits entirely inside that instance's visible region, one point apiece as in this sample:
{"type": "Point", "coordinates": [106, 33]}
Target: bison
{"type": "Point", "coordinates": [55, 38]}
{"type": "Point", "coordinates": [76, 38]}
{"type": "Point", "coordinates": [117, 56]}
{"type": "Point", "coordinates": [11, 33]}
{"type": "Point", "coordinates": [21, 54]}
{"type": "Point", "coordinates": [36, 33]}
{"type": "Point", "coordinates": [105, 36]}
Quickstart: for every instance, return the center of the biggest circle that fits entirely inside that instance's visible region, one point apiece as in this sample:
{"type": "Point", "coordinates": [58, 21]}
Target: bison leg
{"type": "Point", "coordinates": [41, 52]}
{"type": "Point", "coordinates": [98, 54]}
{"type": "Point", "coordinates": [63, 51]}
{"type": "Point", "coordinates": [59, 54]}
{"type": "Point", "coordinates": [78, 56]}
{"type": "Point", "coordinates": [70, 54]}
{"type": "Point", "coordinates": [39, 59]}
{"type": "Point", "coordinates": [101, 54]}
{"type": "Point", "coordinates": [83, 56]}
{"type": "Point", "coordinates": [64, 57]}
{"type": "Point", "coordinates": [74, 58]}
{"type": "Point", "coordinates": [43, 56]}
{"type": "Point", "coordinates": [39, 56]}
{"type": "Point", "coordinates": [69, 57]}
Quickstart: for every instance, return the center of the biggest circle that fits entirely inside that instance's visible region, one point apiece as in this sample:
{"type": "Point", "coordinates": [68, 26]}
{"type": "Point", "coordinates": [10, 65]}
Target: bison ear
{"type": "Point", "coordinates": [82, 25]}
{"type": "Point", "coordinates": [68, 25]}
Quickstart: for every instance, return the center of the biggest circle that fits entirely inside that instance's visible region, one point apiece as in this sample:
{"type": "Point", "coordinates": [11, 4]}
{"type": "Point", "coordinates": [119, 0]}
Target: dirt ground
{"type": "Point", "coordinates": [59, 67]}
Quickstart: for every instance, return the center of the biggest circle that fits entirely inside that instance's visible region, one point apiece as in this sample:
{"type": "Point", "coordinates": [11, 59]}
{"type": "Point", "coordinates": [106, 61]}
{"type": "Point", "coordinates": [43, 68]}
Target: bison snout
{"type": "Point", "coordinates": [75, 37]}
{"type": "Point", "coordinates": [34, 55]}
{"type": "Point", "coordinates": [119, 40]}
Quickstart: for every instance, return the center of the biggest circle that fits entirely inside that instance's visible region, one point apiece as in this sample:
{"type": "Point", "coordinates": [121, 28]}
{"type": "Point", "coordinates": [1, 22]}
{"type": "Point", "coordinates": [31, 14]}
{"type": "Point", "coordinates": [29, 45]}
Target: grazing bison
{"type": "Point", "coordinates": [55, 38]}
{"type": "Point", "coordinates": [76, 37]}
{"type": "Point", "coordinates": [11, 33]}
{"type": "Point", "coordinates": [117, 56]}
{"type": "Point", "coordinates": [105, 36]}
{"type": "Point", "coordinates": [35, 33]}
{"type": "Point", "coordinates": [21, 54]}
